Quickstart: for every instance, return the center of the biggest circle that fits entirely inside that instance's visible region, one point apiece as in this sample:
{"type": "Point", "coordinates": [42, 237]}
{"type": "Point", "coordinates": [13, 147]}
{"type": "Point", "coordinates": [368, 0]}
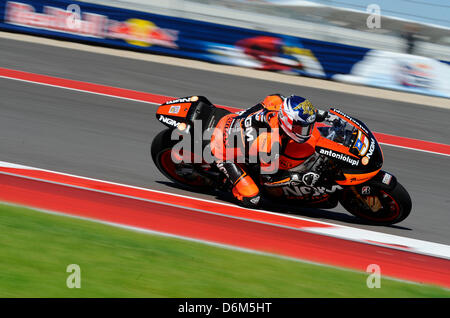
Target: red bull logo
{"type": "Point", "coordinates": [142, 33]}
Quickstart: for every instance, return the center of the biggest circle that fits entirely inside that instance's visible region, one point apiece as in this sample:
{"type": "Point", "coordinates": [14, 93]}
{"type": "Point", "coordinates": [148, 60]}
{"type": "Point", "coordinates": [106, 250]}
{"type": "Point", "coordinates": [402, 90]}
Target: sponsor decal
{"type": "Point", "coordinates": [168, 121]}
{"type": "Point", "coordinates": [221, 167]}
{"type": "Point", "coordinates": [255, 200]}
{"type": "Point", "coordinates": [365, 190]}
{"type": "Point", "coordinates": [259, 116]}
{"type": "Point", "coordinates": [248, 129]}
{"type": "Point", "coordinates": [174, 110]}
{"type": "Point", "coordinates": [301, 191]}
{"type": "Point", "coordinates": [179, 101]}
{"type": "Point", "coordinates": [143, 33]}
{"type": "Point", "coordinates": [365, 161]}
{"type": "Point", "coordinates": [249, 134]}
{"type": "Point", "coordinates": [362, 143]}
{"type": "Point", "coordinates": [229, 130]}
{"type": "Point", "coordinates": [351, 120]}
{"type": "Point", "coordinates": [387, 178]}
{"type": "Point", "coordinates": [371, 148]}
{"type": "Point", "coordinates": [339, 156]}
{"type": "Point", "coordinates": [136, 32]}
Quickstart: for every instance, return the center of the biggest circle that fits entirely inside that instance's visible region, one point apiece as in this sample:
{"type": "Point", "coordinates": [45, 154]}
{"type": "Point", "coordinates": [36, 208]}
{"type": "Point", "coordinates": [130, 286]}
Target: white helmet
{"type": "Point", "coordinates": [297, 117]}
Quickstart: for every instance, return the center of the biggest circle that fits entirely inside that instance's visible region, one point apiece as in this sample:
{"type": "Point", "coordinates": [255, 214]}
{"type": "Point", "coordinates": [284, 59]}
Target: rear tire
{"type": "Point", "coordinates": [161, 150]}
{"type": "Point", "coordinates": [396, 205]}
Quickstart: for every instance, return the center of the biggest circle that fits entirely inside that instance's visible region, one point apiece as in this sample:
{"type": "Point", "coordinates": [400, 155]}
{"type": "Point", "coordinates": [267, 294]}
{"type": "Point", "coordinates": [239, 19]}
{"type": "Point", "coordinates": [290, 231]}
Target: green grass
{"type": "Point", "coordinates": [36, 249]}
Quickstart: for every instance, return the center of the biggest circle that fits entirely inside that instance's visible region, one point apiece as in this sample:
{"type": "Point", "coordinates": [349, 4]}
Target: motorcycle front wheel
{"type": "Point", "coordinates": [379, 205]}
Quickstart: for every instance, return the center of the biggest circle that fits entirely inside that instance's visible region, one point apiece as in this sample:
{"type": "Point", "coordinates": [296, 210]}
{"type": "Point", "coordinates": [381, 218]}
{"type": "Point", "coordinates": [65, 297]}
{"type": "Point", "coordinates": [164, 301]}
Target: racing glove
{"type": "Point", "coordinates": [321, 115]}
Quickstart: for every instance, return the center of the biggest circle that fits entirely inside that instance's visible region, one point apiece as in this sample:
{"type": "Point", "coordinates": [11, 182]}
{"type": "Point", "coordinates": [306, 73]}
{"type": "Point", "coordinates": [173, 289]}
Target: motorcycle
{"type": "Point", "coordinates": [352, 175]}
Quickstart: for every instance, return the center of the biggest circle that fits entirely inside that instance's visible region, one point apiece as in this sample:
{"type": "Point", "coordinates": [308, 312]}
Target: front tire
{"type": "Point", "coordinates": [383, 206]}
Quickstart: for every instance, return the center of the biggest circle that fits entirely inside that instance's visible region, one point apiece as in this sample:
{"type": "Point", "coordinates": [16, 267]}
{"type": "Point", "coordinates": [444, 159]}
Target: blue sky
{"type": "Point", "coordinates": [427, 11]}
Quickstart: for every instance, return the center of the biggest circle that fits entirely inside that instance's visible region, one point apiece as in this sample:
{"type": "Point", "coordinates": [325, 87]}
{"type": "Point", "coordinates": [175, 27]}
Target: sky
{"type": "Point", "coordinates": [426, 11]}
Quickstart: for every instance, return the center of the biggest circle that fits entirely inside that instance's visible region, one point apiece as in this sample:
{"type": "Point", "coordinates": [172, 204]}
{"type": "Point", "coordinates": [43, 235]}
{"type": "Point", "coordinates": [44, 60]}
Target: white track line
{"type": "Point", "coordinates": [415, 149]}
{"type": "Point", "coordinates": [152, 103]}
{"type": "Point", "coordinates": [300, 81]}
{"type": "Point", "coordinates": [78, 90]}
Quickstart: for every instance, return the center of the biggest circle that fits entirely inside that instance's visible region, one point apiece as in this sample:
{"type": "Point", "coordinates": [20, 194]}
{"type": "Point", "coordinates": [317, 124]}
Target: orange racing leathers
{"type": "Point", "coordinates": [254, 137]}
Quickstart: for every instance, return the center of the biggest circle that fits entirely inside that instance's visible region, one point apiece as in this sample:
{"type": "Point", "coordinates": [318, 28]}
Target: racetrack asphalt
{"type": "Point", "coordinates": [107, 138]}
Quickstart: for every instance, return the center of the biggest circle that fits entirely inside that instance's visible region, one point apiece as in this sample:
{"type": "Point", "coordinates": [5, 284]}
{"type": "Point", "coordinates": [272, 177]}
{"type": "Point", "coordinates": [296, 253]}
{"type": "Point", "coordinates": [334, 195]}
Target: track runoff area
{"type": "Point", "coordinates": [219, 223]}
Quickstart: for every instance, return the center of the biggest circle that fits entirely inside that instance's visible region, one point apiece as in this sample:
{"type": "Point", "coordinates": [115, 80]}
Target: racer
{"type": "Point", "coordinates": [253, 137]}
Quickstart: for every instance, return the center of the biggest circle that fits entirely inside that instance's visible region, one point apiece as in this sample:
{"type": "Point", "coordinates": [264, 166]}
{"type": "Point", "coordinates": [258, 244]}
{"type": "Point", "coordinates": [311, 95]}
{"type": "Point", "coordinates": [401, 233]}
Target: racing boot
{"type": "Point", "coordinates": [244, 189]}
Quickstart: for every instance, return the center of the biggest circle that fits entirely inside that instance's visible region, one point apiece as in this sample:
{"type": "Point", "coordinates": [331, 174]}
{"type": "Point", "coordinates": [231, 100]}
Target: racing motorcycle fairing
{"type": "Point", "coordinates": [186, 110]}
{"type": "Point", "coordinates": [353, 147]}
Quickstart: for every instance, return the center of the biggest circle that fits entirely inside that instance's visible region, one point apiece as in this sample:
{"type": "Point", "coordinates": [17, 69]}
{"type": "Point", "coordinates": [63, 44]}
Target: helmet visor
{"type": "Point", "coordinates": [302, 129]}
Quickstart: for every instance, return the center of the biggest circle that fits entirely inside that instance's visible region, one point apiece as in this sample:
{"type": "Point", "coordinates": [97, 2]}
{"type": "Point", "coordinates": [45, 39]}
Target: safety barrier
{"type": "Point", "coordinates": [176, 36]}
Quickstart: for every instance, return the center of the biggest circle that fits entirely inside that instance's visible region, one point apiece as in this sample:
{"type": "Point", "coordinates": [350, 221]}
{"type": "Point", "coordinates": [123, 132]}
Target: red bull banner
{"type": "Point", "coordinates": [147, 32]}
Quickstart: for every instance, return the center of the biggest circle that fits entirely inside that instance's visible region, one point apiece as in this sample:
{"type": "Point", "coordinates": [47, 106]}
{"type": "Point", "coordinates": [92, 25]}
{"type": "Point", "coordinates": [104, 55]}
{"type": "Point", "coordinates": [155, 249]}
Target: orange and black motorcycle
{"type": "Point", "coordinates": [352, 176]}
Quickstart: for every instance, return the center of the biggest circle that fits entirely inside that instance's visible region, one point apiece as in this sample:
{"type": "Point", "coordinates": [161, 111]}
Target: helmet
{"type": "Point", "coordinates": [297, 117]}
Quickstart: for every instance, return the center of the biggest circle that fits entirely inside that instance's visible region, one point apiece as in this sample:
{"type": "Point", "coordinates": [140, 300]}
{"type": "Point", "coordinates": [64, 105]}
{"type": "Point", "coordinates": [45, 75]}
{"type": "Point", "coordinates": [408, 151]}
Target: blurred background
{"type": "Point", "coordinates": [402, 45]}
{"type": "Point", "coordinates": [414, 26]}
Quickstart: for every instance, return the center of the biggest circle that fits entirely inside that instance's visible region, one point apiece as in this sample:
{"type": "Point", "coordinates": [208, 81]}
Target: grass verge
{"type": "Point", "coordinates": [36, 249]}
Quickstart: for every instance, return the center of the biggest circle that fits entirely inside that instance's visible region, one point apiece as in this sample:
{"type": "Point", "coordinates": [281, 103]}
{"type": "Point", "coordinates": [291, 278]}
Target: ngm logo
{"type": "Point", "coordinates": [168, 121]}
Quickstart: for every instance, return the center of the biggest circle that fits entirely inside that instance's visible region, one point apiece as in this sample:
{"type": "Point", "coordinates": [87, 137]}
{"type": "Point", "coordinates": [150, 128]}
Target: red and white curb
{"type": "Point", "coordinates": [229, 210]}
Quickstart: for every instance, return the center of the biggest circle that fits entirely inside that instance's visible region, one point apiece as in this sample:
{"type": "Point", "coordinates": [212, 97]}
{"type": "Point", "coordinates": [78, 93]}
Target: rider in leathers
{"type": "Point", "coordinates": [277, 135]}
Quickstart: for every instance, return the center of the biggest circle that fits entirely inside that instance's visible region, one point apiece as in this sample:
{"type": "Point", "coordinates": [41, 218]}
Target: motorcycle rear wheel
{"type": "Point", "coordinates": [161, 151]}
